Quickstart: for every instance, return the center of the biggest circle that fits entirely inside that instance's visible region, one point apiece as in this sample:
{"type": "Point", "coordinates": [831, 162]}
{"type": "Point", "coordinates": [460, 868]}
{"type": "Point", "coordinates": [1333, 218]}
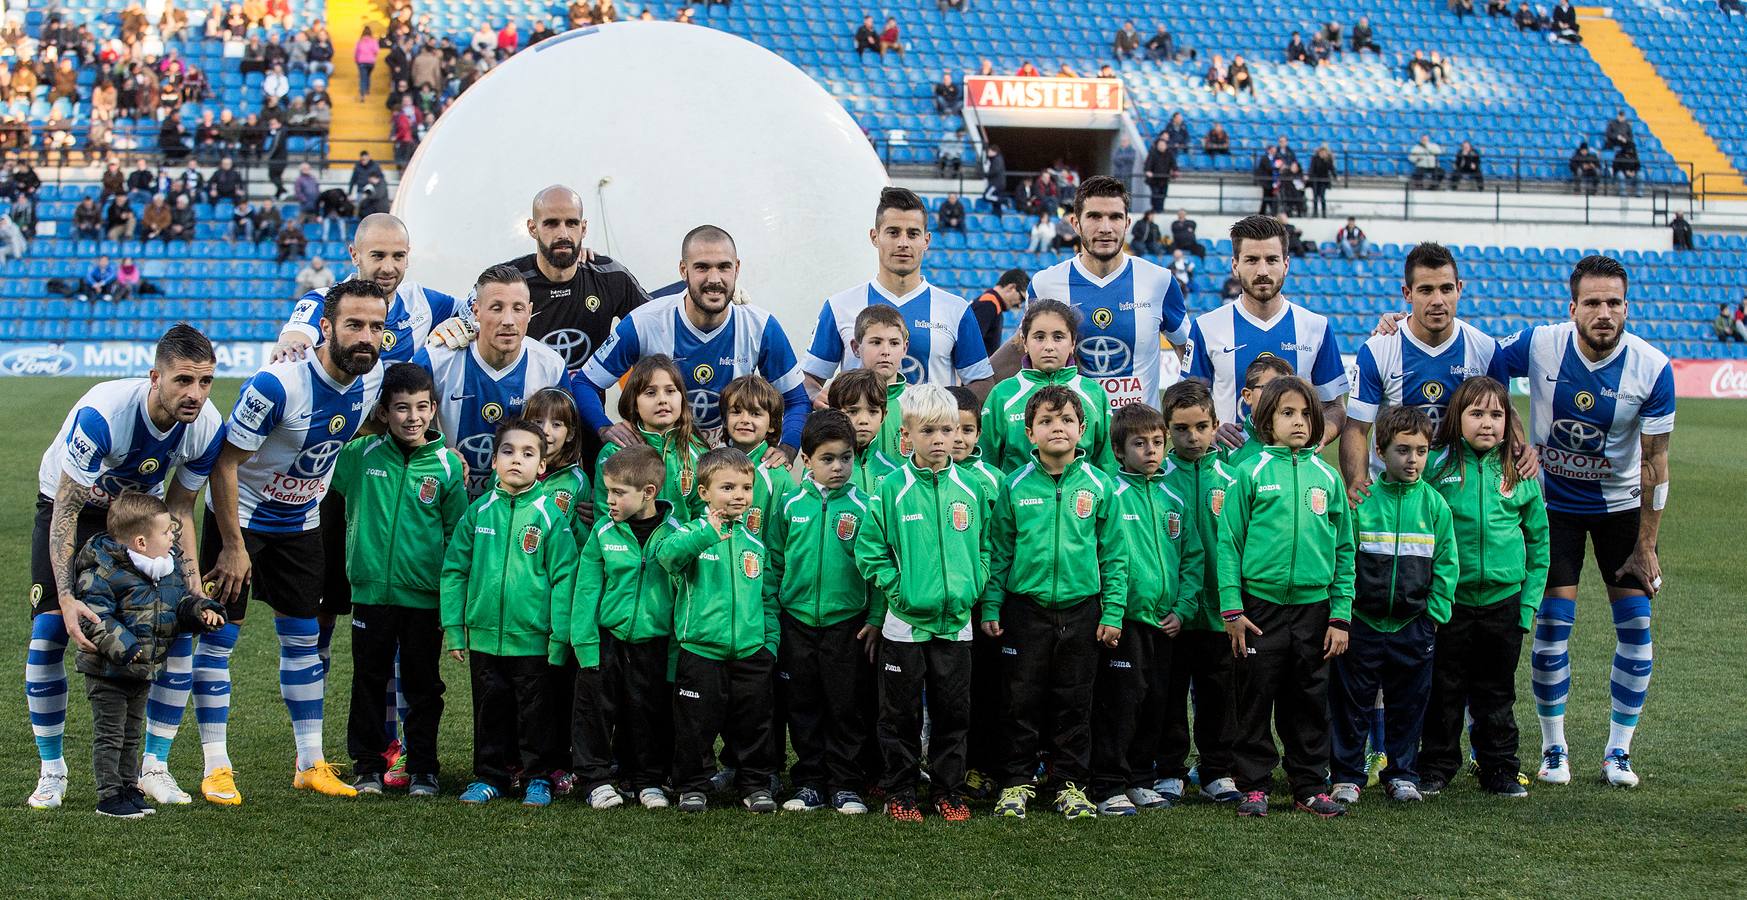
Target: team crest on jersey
{"type": "Point", "coordinates": [961, 516]}
{"type": "Point", "coordinates": [35, 594]}
{"type": "Point", "coordinates": [1506, 489]}
{"type": "Point", "coordinates": [593, 303]}
{"type": "Point", "coordinates": [148, 467]}
{"type": "Point", "coordinates": [1084, 501]}
{"type": "Point", "coordinates": [530, 539]}
{"type": "Point", "coordinates": [755, 520]}
{"type": "Point", "coordinates": [388, 340]}
{"type": "Point", "coordinates": [1317, 499]}
{"type": "Point", "coordinates": [749, 564]}
{"type": "Point", "coordinates": [1173, 525]}
{"type": "Point", "coordinates": [562, 500]}
{"type": "Point", "coordinates": [1433, 390]}
{"type": "Point", "coordinates": [428, 490]}
{"type": "Point", "coordinates": [685, 481]}
{"type": "Point", "coordinates": [335, 424]}
{"type": "Point", "coordinates": [703, 374]}
{"type": "Point", "coordinates": [847, 526]}
{"type": "Point", "coordinates": [1102, 317]}
{"type": "Point", "coordinates": [491, 412]}
{"type": "Point", "coordinates": [1216, 500]}
{"type": "Point", "coordinates": [1584, 401]}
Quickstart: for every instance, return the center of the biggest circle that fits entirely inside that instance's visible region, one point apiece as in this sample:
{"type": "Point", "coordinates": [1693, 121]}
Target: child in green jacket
{"type": "Point", "coordinates": [822, 666]}
{"type": "Point", "coordinates": [1051, 331]}
{"type": "Point", "coordinates": [860, 395]}
{"type": "Point", "coordinates": [752, 418]}
{"type": "Point", "coordinates": [881, 344]}
{"type": "Point", "coordinates": [1058, 585]}
{"type": "Point", "coordinates": [1286, 595]}
{"type": "Point", "coordinates": [1165, 561]}
{"type": "Point", "coordinates": [726, 626]}
{"type": "Point", "coordinates": [511, 553]}
{"type": "Point", "coordinates": [1501, 532]}
{"type": "Point", "coordinates": [1202, 653]}
{"type": "Point", "coordinates": [616, 625]}
{"type": "Point", "coordinates": [1404, 576]}
{"type": "Point", "coordinates": [404, 493]}
{"type": "Point", "coordinates": [653, 402]}
{"type": "Point", "coordinates": [925, 549]}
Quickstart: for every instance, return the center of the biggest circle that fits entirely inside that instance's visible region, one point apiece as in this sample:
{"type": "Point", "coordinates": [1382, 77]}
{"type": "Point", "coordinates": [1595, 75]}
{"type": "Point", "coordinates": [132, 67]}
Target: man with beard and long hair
{"type": "Point", "coordinates": [281, 442]}
{"type": "Point", "coordinates": [711, 338]}
{"type": "Point", "coordinates": [1224, 341]}
{"type": "Point", "coordinates": [1125, 302]}
{"type": "Point", "coordinates": [1601, 414]}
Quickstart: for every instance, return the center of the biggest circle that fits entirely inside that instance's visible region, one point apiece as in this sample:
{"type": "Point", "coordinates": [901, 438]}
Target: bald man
{"type": "Point", "coordinates": [380, 251]}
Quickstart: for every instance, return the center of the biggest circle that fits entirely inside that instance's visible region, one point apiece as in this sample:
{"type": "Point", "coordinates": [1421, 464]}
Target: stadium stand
{"type": "Point", "coordinates": [1696, 48]}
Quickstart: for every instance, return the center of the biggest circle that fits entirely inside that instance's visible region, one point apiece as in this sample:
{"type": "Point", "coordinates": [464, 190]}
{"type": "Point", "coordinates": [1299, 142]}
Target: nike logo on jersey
{"type": "Point", "coordinates": [460, 397]}
{"type": "Point", "coordinates": [1232, 349]}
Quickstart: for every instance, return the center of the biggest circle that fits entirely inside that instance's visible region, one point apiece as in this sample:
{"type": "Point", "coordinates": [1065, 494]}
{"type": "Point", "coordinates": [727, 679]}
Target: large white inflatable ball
{"type": "Point", "coordinates": [661, 127]}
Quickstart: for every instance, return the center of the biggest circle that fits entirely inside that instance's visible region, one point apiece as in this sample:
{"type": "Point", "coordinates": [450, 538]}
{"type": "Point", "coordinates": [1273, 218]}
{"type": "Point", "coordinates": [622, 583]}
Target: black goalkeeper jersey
{"type": "Point", "coordinates": [576, 316]}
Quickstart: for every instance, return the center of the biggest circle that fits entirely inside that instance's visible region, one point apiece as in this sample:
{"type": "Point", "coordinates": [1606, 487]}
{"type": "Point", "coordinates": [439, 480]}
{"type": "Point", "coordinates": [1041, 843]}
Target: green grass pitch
{"type": "Point", "coordinates": [1682, 833]}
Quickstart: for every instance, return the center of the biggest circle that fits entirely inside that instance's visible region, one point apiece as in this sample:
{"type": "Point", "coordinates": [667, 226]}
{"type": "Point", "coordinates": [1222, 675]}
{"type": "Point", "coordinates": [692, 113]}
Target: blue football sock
{"type": "Point", "coordinates": [45, 688]}
{"type": "Point", "coordinates": [1551, 661]}
{"type": "Point", "coordinates": [168, 699]}
{"type": "Point", "coordinates": [1631, 672]}
{"type": "Point", "coordinates": [212, 694]}
{"type": "Point", "coordinates": [301, 685]}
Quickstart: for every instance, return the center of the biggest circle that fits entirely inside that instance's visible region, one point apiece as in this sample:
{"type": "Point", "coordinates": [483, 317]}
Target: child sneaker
{"type": "Point", "coordinates": [368, 784]}
{"type": "Point", "coordinates": [1117, 805]}
{"type": "Point", "coordinates": [1170, 788]}
{"type": "Point", "coordinates": [652, 798]}
{"type": "Point", "coordinates": [1323, 806]}
{"type": "Point", "coordinates": [1404, 791]}
{"type": "Point", "coordinates": [604, 797]}
{"type": "Point", "coordinates": [693, 802]}
{"type": "Point", "coordinates": [1221, 790]}
{"type": "Point", "coordinates": [760, 802]}
{"type": "Point", "coordinates": [848, 803]}
{"type": "Point", "coordinates": [479, 793]}
{"type": "Point", "coordinates": [1253, 805]}
{"type": "Point", "coordinates": [1556, 766]}
{"type": "Point", "coordinates": [118, 806]}
{"type": "Point", "coordinates": [139, 799]}
{"type": "Point", "coordinates": [1507, 787]}
{"type": "Point", "coordinates": [563, 783]}
{"type": "Point", "coordinates": [1013, 801]}
{"type": "Point", "coordinates": [903, 809]}
{"type": "Point", "coordinates": [1147, 798]}
{"type": "Point", "coordinates": [422, 786]}
{"type": "Point", "coordinates": [952, 808]}
{"type": "Point", "coordinates": [1346, 793]}
{"type": "Point", "coordinates": [805, 800]}
{"type": "Point", "coordinates": [1616, 769]}
{"type": "Point", "coordinates": [538, 792]}
{"type": "Point", "coordinates": [1071, 802]}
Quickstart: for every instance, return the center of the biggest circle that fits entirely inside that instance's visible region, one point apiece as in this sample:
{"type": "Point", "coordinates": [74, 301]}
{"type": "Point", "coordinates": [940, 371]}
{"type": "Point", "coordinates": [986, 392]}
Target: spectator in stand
{"type": "Point", "coordinates": [226, 183]}
{"type": "Point", "coordinates": [315, 276]}
{"type": "Point", "coordinates": [952, 215]}
{"type": "Point", "coordinates": [994, 178]}
{"type": "Point", "coordinates": [1266, 176]}
{"type": "Point", "coordinates": [1183, 269]}
{"type": "Point", "coordinates": [1565, 25]}
{"type": "Point", "coordinates": [321, 53]}
{"type": "Point", "coordinates": [142, 182]}
{"type": "Point", "coordinates": [992, 305]}
{"type": "Point", "coordinates": [276, 150]}
{"type": "Point", "coordinates": [268, 221]}
{"type": "Point", "coordinates": [1230, 290]}
{"type": "Point", "coordinates": [12, 242]}
{"type": "Point", "coordinates": [945, 5]}
{"type": "Point", "coordinates": [1042, 234]}
{"type": "Point", "coordinates": [172, 140]}
{"type": "Point", "coordinates": [1296, 51]}
{"type": "Point", "coordinates": [1682, 232]}
{"type": "Point", "coordinates": [986, 67]}
{"type": "Point", "coordinates": [113, 181]}
{"type": "Point", "coordinates": [1183, 235]}
{"type": "Point", "coordinates": [539, 30]}
{"type": "Point", "coordinates": [1467, 166]}
{"type": "Point", "coordinates": [275, 87]}
{"type": "Point", "coordinates": [208, 144]}
{"type": "Point", "coordinates": [190, 182]}
{"type": "Point", "coordinates": [1217, 78]}
{"type": "Point", "coordinates": [890, 39]}
{"type": "Point", "coordinates": [1424, 159]}
{"type": "Point", "coordinates": [1145, 239]}
{"type": "Point", "coordinates": [404, 131]}
{"type": "Point", "coordinates": [1107, 71]}
{"type": "Point", "coordinates": [1462, 7]}
{"type": "Point", "coordinates": [1217, 142]}
{"type": "Point", "coordinates": [254, 56]}
{"type": "Point", "coordinates": [1027, 70]}
{"type": "Point", "coordinates": [1585, 168]}
{"type": "Point", "coordinates": [1066, 238]}
{"type": "Point", "coordinates": [1618, 132]}
{"type": "Point", "coordinates": [1363, 38]}
{"type": "Point", "coordinates": [1525, 18]}
{"type": "Point", "coordinates": [1350, 240]}
{"type": "Point", "coordinates": [182, 220]}
{"type": "Point", "coordinates": [365, 57]}
{"type": "Point", "coordinates": [1723, 326]}
{"type": "Point", "coordinates": [867, 38]}
{"type": "Point", "coordinates": [1158, 47]}
{"type": "Point", "coordinates": [98, 283]}
{"type": "Point", "coordinates": [1292, 187]}
{"type": "Point", "coordinates": [1239, 76]}
{"type": "Point", "coordinates": [427, 67]}
{"type": "Point", "coordinates": [374, 198]}
{"type": "Point", "coordinates": [242, 222]}
{"type": "Point", "coordinates": [949, 159]}
{"type": "Point", "coordinates": [948, 96]}
{"type": "Point", "coordinates": [1421, 70]}
{"type": "Point", "coordinates": [484, 40]}
{"type": "Point", "coordinates": [307, 191]}
{"type": "Point", "coordinates": [1626, 169]}
{"type": "Point", "coordinates": [127, 279]}
{"type": "Point", "coordinates": [1320, 48]}
{"type": "Point", "coordinates": [1322, 176]}
{"type": "Point", "coordinates": [1161, 167]}
{"type": "Point", "coordinates": [361, 174]}
{"type": "Point", "coordinates": [1296, 245]}
{"type": "Point", "coordinates": [1123, 161]}
{"type": "Point", "coordinates": [1497, 8]}
{"type": "Point", "coordinates": [292, 242]}
{"type": "Point", "coordinates": [508, 39]}
{"type": "Point", "coordinates": [118, 219]}
{"type": "Point", "coordinates": [66, 83]}
{"type": "Point", "coordinates": [1731, 7]}
{"type": "Point", "coordinates": [1177, 129]}
{"type": "Point", "coordinates": [1127, 42]}
{"type": "Point", "coordinates": [156, 220]}
{"type": "Point", "coordinates": [335, 208]}
{"type": "Point", "coordinates": [1066, 71]}
{"type": "Point", "coordinates": [87, 219]}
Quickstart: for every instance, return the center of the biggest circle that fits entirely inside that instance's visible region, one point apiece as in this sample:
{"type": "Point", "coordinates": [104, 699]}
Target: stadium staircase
{"type": "Point", "coordinates": [357, 126]}
{"type": "Point", "coordinates": [1656, 103]}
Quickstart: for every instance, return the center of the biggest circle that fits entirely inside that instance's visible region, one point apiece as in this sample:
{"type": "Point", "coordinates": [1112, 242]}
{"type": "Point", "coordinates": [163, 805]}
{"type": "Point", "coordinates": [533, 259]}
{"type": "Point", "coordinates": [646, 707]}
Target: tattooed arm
{"type": "Point", "coordinates": [70, 500]}
{"type": "Point", "coordinates": [181, 503]}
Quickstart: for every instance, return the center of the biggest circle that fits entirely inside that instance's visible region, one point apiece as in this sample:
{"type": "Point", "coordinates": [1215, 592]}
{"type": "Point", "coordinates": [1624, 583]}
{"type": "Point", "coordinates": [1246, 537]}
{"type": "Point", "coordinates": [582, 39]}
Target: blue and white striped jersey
{"type": "Point", "coordinates": [412, 313]}
{"type": "Point", "coordinates": [1224, 341]}
{"type": "Point", "coordinates": [1586, 418]}
{"type": "Point", "coordinates": [473, 398]}
{"type": "Point", "coordinates": [108, 443]}
{"type": "Point", "coordinates": [1121, 318]}
{"type": "Point", "coordinates": [295, 418]}
{"type": "Point", "coordinates": [946, 343]}
{"type": "Point", "coordinates": [750, 341]}
{"type": "Point", "coordinates": [1398, 369]}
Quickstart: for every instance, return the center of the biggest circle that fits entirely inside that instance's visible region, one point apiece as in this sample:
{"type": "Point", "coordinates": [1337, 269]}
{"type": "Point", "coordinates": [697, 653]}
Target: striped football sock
{"type": "Point", "coordinates": [1631, 673]}
{"type": "Point", "coordinates": [1551, 661]}
{"type": "Point", "coordinates": [301, 685]}
{"type": "Point", "coordinates": [168, 699]}
{"type": "Point", "coordinates": [45, 689]}
{"type": "Point", "coordinates": [212, 694]}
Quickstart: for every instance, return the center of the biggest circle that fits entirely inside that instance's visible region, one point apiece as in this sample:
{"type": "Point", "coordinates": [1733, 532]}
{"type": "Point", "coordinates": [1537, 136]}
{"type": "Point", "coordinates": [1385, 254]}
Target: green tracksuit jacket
{"type": "Point", "coordinates": [1155, 531]}
{"type": "Point", "coordinates": [680, 488]}
{"type": "Point", "coordinates": [770, 490]}
{"type": "Point", "coordinates": [1284, 535]}
{"type": "Point", "coordinates": [510, 556]}
{"type": "Point", "coordinates": [1244, 452]}
{"type": "Point", "coordinates": [1003, 438]}
{"type": "Point", "coordinates": [925, 551]}
{"type": "Point", "coordinates": [988, 478]}
{"type": "Point", "coordinates": [401, 509]}
{"type": "Point", "coordinates": [619, 588]}
{"type": "Point", "coordinates": [1404, 563]}
{"type": "Point", "coordinates": [1203, 484]}
{"type": "Point", "coordinates": [811, 545]}
{"type": "Point", "coordinates": [1501, 537]}
{"type": "Point", "coordinates": [890, 439]}
{"type": "Point", "coordinates": [720, 609]}
{"type": "Point", "coordinates": [1055, 541]}
{"type": "Point", "coordinates": [872, 465]}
